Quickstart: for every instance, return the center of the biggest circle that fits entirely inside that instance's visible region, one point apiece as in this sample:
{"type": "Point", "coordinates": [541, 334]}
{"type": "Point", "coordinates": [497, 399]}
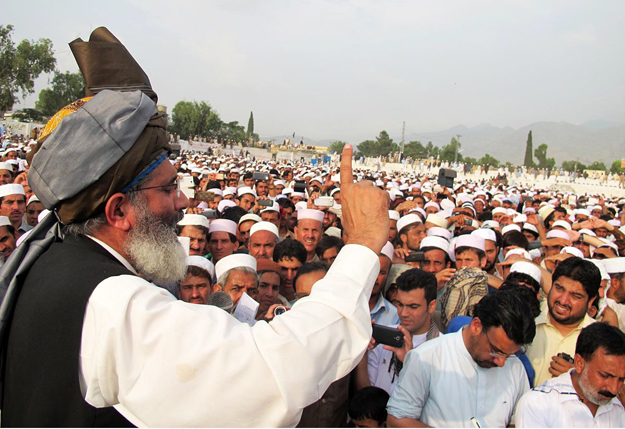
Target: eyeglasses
{"type": "Point", "coordinates": [499, 354]}
{"type": "Point", "coordinates": [172, 187]}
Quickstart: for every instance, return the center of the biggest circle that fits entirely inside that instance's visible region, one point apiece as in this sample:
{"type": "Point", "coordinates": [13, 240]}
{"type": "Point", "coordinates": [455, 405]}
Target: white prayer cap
{"type": "Point", "coordinates": [437, 231]}
{"type": "Point", "coordinates": [279, 183]}
{"type": "Point", "coordinates": [216, 191]}
{"type": "Point", "coordinates": [554, 233]}
{"type": "Point", "coordinates": [530, 227]}
{"type": "Point", "coordinates": [224, 204]}
{"type": "Point", "coordinates": [469, 240]}
{"type": "Point", "coordinates": [490, 224]}
{"type": "Point", "coordinates": [612, 265]}
{"type": "Point", "coordinates": [572, 251]}
{"type": "Point", "coordinates": [245, 190]}
{"type": "Point", "coordinates": [545, 211]}
{"type": "Point", "coordinates": [562, 224]}
{"type": "Point", "coordinates": [526, 268]}
{"type": "Point", "coordinates": [584, 212]}
{"type": "Point", "coordinates": [511, 227]}
{"type": "Point", "coordinates": [297, 194]}
{"type": "Point", "coordinates": [199, 261]}
{"type": "Point", "coordinates": [11, 189]}
{"type": "Point", "coordinates": [275, 207]}
{"type": "Point", "coordinates": [195, 220]}
{"type": "Point", "coordinates": [587, 231]}
{"type": "Point", "coordinates": [600, 263]}
{"type": "Point", "coordinates": [4, 221]}
{"type": "Point", "coordinates": [409, 219]}
{"type": "Point", "coordinates": [432, 204]}
{"type": "Point", "coordinates": [529, 209]}
{"type": "Point", "coordinates": [250, 216]}
{"type": "Point", "coordinates": [437, 220]}
{"type": "Point", "coordinates": [334, 191]}
{"type": "Point", "coordinates": [434, 241]}
{"type": "Point", "coordinates": [302, 205]}
{"type": "Point", "coordinates": [518, 251]}
{"type": "Point", "coordinates": [447, 204]}
{"type": "Point", "coordinates": [223, 225]}
{"type": "Point", "coordinates": [230, 191]}
{"type": "Point", "coordinates": [393, 215]}
{"type": "Point", "coordinates": [6, 166]}
{"type": "Point", "coordinates": [333, 231]}
{"type": "Point", "coordinates": [486, 234]}
{"type": "Point", "coordinates": [388, 250]}
{"type": "Point", "coordinates": [310, 214]}
{"type": "Point", "coordinates": [264, 226]}
{"type": "Point", "coordinates": [236, 260]}
{"type": "Point", "coordinates": [615, 222]}
{"type": "Point", "coordinates": [33, 199]}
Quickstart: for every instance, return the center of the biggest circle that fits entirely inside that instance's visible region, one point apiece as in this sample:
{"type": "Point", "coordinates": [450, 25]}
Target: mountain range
{"type": "Point", "coordinates": [592, 141]}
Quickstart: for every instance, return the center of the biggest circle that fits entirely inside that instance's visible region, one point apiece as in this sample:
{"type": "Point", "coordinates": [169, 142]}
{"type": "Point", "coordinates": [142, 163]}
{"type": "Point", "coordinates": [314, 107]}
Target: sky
{"type": "Point", "coordinates": [347, 69]}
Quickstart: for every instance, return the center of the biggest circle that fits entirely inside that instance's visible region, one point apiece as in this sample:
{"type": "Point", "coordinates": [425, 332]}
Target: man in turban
{"type": "Point", "coordinates": [94, 341]}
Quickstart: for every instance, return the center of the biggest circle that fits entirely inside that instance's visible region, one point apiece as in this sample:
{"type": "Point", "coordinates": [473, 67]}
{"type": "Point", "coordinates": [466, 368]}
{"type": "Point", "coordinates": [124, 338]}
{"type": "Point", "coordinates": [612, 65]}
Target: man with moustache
{"type": "Point", "coordinates": [309, 231]}
{"type": "Point", "coordinates": [118, 348]}
{"type": "Point", "coordinates": [585, 396]}
{"type": "Point", "coordinates": [575, 285]}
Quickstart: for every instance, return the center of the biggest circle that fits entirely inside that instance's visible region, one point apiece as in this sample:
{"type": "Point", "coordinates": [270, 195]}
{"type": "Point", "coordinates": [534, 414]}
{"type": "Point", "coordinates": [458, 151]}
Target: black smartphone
{"type": "Point", "coordinates": [260, 176]}
{"type": "Point", "coordinates": [567, 357]}
{"type": "Point", "coordinates": [389, 336]}
{"type": "Point", "coordinates": [468, 222]}
{"type": "Point", "coordinates": [415, 257]}
{"type": "Point", "coordinates": [265, 203]}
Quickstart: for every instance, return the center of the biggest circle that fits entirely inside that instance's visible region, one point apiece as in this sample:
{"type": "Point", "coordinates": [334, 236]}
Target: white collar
{"type": "Point", "coordinates": [113, 252]}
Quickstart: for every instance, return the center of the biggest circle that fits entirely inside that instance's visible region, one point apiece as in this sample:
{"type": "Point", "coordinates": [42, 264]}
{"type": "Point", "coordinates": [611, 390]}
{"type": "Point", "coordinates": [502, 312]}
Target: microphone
{"type": "Point", "coordinates": [222, 300]}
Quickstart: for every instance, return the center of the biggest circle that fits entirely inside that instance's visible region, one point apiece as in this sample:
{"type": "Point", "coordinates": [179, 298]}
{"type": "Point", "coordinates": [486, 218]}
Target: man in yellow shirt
{"type": "Point", "coordinates": [575, 287]}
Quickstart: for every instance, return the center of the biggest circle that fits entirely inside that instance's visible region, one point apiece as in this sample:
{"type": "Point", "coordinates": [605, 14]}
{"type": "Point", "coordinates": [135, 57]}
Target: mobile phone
{"type": "Point", "coordinates": [265, 203]}
{"type": "Point", "coordinates": [415, 257]}
{"type": "Point", "coordinates": [324, 201]}
{"type": "Point", "coordinates": [468, 222]}
{"type": "Point", "coordinates": [389, 336]}
{"type": "Point", "coordinates": [299, 186]}
{"type": "Point", "coordinates": [527, 199]}
{"type": "Point", "coordinates": [260, 176]}
{"type": "Point", "coordinates": [209, 214]}
{"type": "Point", "coordinates": [219, 176]}
{"type": "Point", "coordinates": [204, 175]}
{"type": "Point", "coordinates": [567, 357]}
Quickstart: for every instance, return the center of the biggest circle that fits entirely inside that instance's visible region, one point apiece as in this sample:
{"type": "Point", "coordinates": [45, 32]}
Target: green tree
{"type": "Point", "coordinates": [21, 65]}
{"type": "Point", "coordinates": [197, 119]}
{"type": "Point", "coordinates": [233, 132]}
{"type": "Point", "coordinates": [490, 160]}
{"type": "Point", "coordinates": [385, 144]}
{"type": "Point", "coordinates": [250, 126]}
{"type": "Point", "coordinates": [416, 150]}
{"type": "Point", "coordinates": [529, 161]}
{"type": "Point", "coordinates": [541, 155]}
{"type": "Point", "coordinates": [66, 87]}
{"type": "Point", "coordinates": [616, 167]}
{"type": "Point", "coordinates": [471, 160]}
{"type": "Point", "coordinates": [596, 166]}
{"type": "Point", "coordinates": [367, 148]}
{"type": "Point", "coordinates": [337, 146]}
{"type": "Point", "coordinates": [448, 152]}
{"type": "Point", "coordinates": [573, 166]}
{"type": "Point", "coordinates": [29, 115]}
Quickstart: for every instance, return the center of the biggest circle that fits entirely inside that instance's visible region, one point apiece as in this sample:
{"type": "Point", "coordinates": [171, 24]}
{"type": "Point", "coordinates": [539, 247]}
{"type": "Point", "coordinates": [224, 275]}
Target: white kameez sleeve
{"type": "Point", "coordinates": [164, 362]}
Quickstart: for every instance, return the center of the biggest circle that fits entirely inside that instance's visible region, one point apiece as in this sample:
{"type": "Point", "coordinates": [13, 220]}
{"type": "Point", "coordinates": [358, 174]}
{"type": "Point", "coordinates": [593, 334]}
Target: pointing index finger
{"type": "Point", "coordinates": [347, 175]}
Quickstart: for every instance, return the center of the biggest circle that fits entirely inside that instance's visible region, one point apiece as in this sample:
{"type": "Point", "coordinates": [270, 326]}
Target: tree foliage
{"type": "Point", "coordinates": [29, 115]}
{"type": "Point", "coordinates": [490, 160]}
{"type": "Point", "coordinates": [448, 152]}
{"type": "Point", "coordinates": [541, 155]}
{"type": "Point", "coordinates": [573, 166]}
{"type": "Point", "coordinates": [616, 167]}
{"type": "Point", "coordinates": [337, 146]}
{"type": "Point", "coordinates": [66, 87]}
{"type": "Point", "coordinates": [528, 161]}
{"type": "Point", "coordinates": [596, 166]}
{"type": "Point", "coordinates": [382, 146]}
{"type": "Point", "coordinates": [190, 118]}
{"type": "Point", "coordinates": [250, 126]}
{"type": "Point", "coordinates": [415, 150]}
{"type": "Point", "coordinates": [21, 65]}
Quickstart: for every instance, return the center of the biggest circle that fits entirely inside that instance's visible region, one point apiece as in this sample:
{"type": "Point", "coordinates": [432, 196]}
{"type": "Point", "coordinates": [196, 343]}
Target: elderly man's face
{"type": "Point", "coordinates": [239, 282]}
{"type": "Point", "coordinates": [601, 377]}
{"type": "Point", "coordinates": [309, 232]}
{"type": "Point", "coordinates": [262, 244]}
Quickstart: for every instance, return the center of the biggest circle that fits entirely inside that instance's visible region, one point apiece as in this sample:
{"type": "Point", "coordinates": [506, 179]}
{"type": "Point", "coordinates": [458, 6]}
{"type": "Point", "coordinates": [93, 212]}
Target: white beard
{"type": "Point", "coordinates": [154, 249]}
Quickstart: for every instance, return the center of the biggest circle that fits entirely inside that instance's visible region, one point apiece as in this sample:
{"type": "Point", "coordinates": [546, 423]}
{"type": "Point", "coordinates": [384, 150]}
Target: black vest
{"type": "Point", "coordinates": [41, 366]}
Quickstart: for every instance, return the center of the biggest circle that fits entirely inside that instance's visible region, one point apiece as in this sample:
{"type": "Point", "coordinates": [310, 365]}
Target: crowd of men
{"type": "Point", "coordinates": [504, 305]}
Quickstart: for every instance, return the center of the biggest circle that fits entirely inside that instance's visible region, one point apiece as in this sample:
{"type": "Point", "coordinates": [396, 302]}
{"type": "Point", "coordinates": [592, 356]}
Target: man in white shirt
{"type": "Point", "coordinates": [118, 343]}
{"type": "Point", "coordinates": [470, 374]}
{"type": "Point", "coordinates": [415, 302]}
{"type": "Point", "coordinates": [585, 396]}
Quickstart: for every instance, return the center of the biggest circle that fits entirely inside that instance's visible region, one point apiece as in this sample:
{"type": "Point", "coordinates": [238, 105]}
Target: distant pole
{"type": "Point", "coordinates": [458, 144]}
{"type": "Point", "coordinates": [403, 131]}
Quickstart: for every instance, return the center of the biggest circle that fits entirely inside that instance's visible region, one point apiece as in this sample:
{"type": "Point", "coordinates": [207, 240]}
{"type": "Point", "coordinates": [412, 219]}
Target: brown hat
{"type": "Point", "coordinates": [98, 146]}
